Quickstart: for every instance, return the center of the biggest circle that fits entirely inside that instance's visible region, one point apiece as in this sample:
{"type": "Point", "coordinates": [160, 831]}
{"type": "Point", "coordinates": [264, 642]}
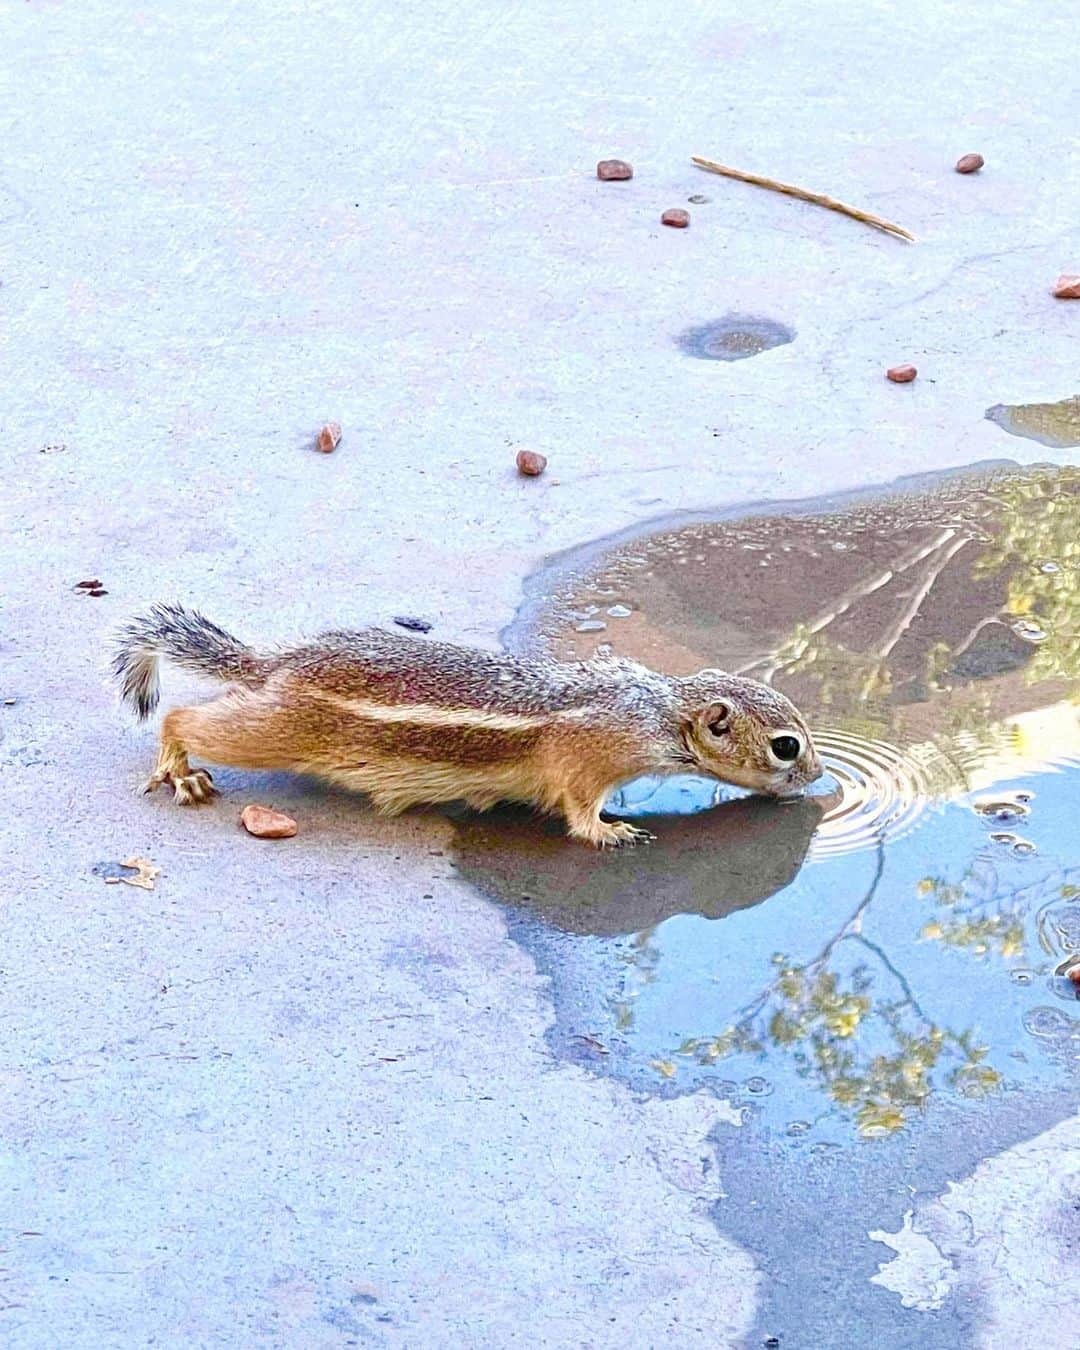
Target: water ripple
{"type": "Point", "coordinates": [881, 793]}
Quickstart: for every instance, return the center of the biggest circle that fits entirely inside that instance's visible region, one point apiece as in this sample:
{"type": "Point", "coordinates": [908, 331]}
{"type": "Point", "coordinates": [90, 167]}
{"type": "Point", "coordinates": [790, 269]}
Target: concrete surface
{"type": "Point", "coordinates": [301, 1094]}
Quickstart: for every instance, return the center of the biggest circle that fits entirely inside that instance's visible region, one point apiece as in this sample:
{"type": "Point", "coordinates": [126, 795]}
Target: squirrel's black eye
{"type": "Point", "coordinates": [786, 747]}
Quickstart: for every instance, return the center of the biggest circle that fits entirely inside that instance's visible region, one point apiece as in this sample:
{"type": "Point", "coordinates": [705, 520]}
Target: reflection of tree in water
{"type": "Point", "coordinates": [981, 916]}
{"type": "Point", "coordinates": [1038, 546]}
{"type": "Point", "coordinates": [973, 915]}
{"type": "Point", "coordinates": [853, 1026]}
{"type": "Point", "coordinates": [1027, 532]}
{"type": "Point", "coordinates": [850, 1019]}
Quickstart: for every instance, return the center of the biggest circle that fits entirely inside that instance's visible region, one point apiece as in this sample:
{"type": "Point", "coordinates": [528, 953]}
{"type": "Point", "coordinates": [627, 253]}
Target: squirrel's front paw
{"type": "Point", "coordinates": [620, 834]}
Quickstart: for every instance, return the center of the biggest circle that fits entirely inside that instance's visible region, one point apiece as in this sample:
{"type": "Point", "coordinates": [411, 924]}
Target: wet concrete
{"type": "Point", "coordinates": [806, 1213]}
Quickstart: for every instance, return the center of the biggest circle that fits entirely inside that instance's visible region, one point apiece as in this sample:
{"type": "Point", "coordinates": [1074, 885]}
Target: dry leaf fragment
{"type": "Point", "coordinates": [147, 873]}
{"type": "Point", "coordinates": [664, 1067]}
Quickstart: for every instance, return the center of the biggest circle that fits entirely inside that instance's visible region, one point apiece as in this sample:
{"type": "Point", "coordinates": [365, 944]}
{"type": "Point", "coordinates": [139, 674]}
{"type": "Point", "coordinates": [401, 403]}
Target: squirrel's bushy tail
{"type": "Point", "coordinates": [186, 638]}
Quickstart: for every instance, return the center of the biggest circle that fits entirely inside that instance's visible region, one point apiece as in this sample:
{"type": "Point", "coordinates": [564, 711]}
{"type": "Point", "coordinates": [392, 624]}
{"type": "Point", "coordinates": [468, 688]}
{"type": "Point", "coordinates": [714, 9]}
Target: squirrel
{"type": "Point", "coordinates": [409, 720]}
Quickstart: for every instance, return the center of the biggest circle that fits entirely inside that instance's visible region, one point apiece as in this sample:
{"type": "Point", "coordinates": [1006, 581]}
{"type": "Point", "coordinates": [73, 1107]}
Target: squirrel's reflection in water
{"type": "Point", "coordinates": [711, 863]}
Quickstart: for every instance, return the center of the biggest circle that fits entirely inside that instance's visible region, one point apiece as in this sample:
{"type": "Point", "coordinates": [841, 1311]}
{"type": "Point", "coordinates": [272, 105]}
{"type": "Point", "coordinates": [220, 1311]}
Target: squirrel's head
{"type": "Point", "coordinates": [743, 732]}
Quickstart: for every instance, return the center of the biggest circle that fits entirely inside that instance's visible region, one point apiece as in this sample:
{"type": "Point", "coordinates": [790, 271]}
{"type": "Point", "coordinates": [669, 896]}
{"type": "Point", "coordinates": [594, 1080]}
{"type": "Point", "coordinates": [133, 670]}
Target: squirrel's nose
{"type": "Point", "coordinates": [798, 779]}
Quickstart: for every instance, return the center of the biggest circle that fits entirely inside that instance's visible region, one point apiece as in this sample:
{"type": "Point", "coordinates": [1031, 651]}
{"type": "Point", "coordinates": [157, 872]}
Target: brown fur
{"type": "Point", "coordinates": [408, 720]}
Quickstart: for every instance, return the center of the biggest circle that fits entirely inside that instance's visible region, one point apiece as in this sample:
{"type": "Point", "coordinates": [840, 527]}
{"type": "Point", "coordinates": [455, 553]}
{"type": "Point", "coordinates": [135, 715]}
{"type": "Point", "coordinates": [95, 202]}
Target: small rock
{"type": "Point", "coordinates": [1067, 286]}
{"type": "Point", "coordinates": [329, 437]}
{"type": "Point", "coordinates": [613, 170]}
{"type": "Point", "coordinates": [676, 217]}
{"type": "Point", "coordinates": [969, 163]}
{"type": "Point", "coordinates": [10, 702]}
{"type": "Point", "coordinates": [413, 625]}
{"type": "Point", "coordinates": [1074, 975]}
{"type": "Point", "coordinates": [97, 590]}
{"type": "Point", "coordinates": [901, 374]}
{"type": "Point", "coordinates": [266, 824]}
{"type": "Point", "coordinates": [531, 463]}
{"type": "Point", "coordinates": [699, 199]}
{"type": "Point", "coordinates": [94, 585]}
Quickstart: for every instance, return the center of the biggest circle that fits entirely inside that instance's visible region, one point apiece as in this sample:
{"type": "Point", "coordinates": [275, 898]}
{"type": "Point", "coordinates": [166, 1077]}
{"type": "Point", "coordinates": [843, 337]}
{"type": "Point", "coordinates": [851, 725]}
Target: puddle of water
{"type": "Point", "coordinates": [904, 930]}
{"type": "Point", "coordinates": [734, 338]}
{"type": "Point", "coordinates": [1056, 424]}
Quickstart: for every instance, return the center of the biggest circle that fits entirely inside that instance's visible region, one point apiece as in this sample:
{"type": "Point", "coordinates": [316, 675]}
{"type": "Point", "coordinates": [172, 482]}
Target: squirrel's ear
{"type": "Point", "coordinates": [715, 717]}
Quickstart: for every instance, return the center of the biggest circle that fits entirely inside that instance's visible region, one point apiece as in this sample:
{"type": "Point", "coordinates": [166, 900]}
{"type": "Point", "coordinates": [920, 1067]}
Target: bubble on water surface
{"type": "Point", "coordinates": [1051, 1024]}
{"type": "Point", "coordinates": [1029, 631]}
{"type": "Point", "coordinates": [1002, 811]}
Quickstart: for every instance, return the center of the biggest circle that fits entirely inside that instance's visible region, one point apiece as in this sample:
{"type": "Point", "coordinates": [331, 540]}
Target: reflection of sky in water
{"type": "Point", "coordinates": [691, 978]}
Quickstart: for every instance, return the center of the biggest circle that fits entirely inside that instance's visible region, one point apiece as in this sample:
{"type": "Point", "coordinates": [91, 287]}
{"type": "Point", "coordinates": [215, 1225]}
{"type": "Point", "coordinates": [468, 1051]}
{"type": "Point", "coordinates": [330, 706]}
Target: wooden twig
{"type": "Point", "coordinates": [804, 196]}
